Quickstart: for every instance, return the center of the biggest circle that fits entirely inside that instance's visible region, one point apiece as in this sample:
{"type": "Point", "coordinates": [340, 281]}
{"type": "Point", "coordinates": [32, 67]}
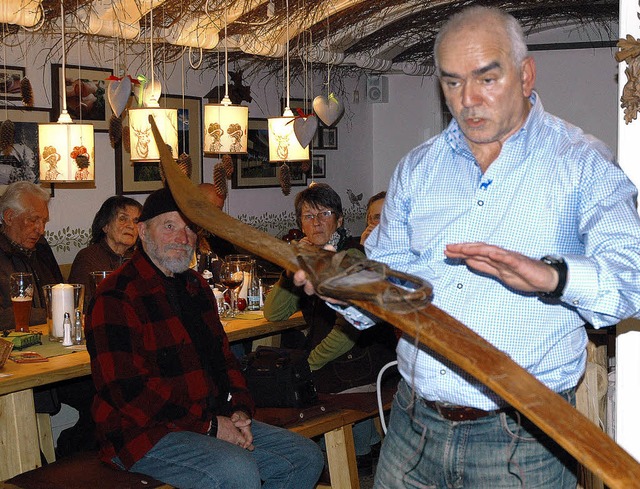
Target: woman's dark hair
{"type": "Point", "coordinates": [318, 195]}
{"type": "Point", "coordinates": [376, 197]}
{"type": "Point", "coordinates": [108, 212]}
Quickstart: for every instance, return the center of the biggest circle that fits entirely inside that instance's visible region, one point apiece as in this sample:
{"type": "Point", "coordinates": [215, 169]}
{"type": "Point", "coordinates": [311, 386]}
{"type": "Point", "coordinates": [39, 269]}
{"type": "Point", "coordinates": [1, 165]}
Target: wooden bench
{"type": "Point", "coordinates": [81, 471]}
{"type": "Point", "coordinates": [334, 418]}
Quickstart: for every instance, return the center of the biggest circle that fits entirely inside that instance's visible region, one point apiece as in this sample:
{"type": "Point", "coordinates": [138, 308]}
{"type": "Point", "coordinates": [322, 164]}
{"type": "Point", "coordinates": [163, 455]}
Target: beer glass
{"type": "Point", "coordinates": [21, 285]}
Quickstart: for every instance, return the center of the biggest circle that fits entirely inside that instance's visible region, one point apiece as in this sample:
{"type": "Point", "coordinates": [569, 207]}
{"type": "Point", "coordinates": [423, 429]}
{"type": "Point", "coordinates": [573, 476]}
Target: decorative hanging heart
{"type": "Point", "coordinates": [305, 129]}
{"type": "Point", "coordinates": [328, 110]}
{"type": "Point", "coordinates": [118, 93]}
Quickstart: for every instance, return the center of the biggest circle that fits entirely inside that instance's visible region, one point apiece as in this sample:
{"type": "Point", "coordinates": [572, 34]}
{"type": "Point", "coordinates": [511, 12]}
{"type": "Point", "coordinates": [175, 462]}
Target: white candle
{"type": "Point", "coordinates": [62, 301]}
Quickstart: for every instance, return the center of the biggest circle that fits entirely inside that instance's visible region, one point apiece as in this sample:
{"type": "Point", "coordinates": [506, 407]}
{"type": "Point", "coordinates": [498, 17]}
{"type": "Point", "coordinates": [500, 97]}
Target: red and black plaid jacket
{"type": "Point", "coordinates": [150, 379]}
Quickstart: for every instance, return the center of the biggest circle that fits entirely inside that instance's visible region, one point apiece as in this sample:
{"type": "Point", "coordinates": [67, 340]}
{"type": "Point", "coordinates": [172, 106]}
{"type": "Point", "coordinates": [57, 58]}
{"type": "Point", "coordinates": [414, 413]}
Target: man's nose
{"type": "Point", "coordinates": [470, 94]}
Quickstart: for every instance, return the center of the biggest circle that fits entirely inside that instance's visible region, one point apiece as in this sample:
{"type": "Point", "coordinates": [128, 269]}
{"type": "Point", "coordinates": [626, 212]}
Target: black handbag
{"type": "Point", "coordinates": [279, 377]}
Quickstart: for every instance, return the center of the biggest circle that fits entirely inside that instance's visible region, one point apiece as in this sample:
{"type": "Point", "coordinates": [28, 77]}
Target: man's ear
{"type": "Point", "coordinates": [340, 221]}
{"type": "Point", "coordinates": [8, 216]}
{"type": "Point", "coordinates": [528, 76]}
{"type": "Point", "coordinates": [142, 229]}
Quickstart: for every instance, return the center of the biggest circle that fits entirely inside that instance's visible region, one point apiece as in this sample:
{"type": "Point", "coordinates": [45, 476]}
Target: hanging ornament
{"type": "Point", "coordinates": [126, 139]}
{"type": "Point", "coordinates": [115, 130]}
{"type": "Point", "coordinates": [184, 163]}
{"type": "Point", "coordinates": [7, 133]}
{"type": "Point", "coordinates": [227, 162]}
{"type": "Point", "coordinates": [26, 92]}
{"type": "Point", "coordinates": [305, 127]}
{"type": "Point", "coordinates": [220, 179]}
{"type": "Point", "coordinates": [329, 109]}
{"type": "Point", "coordinates": [118, 93]}
{"type": "Point", "coordinates": [285, 179]}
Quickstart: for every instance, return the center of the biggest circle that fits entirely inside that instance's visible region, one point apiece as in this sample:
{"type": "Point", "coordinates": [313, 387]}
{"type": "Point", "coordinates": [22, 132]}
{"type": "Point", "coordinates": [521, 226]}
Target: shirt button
{"type": "Point", "coordinates": [443, 371]}
{"type": "Point", "coordinates": [459, 286]}
{"type": "Point", "coordinates": [575, 302]}
{"type": "Point", "coordinates": [481, 203]}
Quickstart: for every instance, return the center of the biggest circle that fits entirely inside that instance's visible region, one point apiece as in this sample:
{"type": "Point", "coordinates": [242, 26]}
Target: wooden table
{"type": "Point", "coordinates": [19, 434]}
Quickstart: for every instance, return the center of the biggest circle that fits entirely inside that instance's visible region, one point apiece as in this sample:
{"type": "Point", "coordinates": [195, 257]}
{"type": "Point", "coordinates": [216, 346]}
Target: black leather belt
{"type": "Point", "coordinates": [462, 413]}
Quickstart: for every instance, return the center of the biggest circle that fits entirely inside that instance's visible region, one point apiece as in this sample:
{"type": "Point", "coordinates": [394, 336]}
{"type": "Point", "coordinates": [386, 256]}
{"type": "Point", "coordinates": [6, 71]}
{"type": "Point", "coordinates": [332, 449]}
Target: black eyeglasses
{"type": "Point", "coordinates": [320, 216]}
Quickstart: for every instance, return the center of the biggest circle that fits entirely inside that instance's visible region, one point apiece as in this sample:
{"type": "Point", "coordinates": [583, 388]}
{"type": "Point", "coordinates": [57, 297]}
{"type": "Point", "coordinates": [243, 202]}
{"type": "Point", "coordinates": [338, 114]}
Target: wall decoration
{"type": "Point", "coordinates": [319, 168]}
{"type": "Point", "coordinates": [254, 170]}
{"type": "Point", "coordinates": [10, 78]}
{"type": "Point", "coordinates": [329, 137]}
{"type": "Point", "coordinates": [144, 177]}
{"type": "Point", "coordinates": [22, 163]}
{"type": "Point", "coordinates": [86, 94]}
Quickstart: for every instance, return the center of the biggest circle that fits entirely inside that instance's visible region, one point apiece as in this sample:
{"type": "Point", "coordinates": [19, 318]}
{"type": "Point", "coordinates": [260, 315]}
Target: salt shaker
{"type": "Point", "coordinates": [66, 327]}
{"type": "Point", "coordinates": [77, 329]}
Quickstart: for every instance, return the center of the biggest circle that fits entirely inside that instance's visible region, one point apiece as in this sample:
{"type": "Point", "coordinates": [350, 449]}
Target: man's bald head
{"type": "Point", "coordinates": [209, 191]}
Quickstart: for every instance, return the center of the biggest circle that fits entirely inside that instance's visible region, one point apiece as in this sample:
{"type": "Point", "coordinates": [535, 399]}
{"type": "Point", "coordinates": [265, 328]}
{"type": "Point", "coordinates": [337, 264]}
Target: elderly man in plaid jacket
{"type": "Point", "coordinates": [171, 401]}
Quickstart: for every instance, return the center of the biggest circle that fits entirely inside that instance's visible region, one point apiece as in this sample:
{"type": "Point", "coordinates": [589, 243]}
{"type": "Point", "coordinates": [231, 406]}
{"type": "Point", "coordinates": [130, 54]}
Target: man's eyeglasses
{"type": "Point", "coordinates": [320, 216]}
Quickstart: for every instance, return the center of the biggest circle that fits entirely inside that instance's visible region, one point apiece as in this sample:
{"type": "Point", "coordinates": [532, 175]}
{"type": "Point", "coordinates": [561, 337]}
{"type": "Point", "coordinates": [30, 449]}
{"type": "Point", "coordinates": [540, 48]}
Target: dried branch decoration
{"type": "Point", "coordinates": [630, 99]}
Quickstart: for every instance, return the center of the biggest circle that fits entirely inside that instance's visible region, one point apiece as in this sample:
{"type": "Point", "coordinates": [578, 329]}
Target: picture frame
{"type": "Point", "coordinates": [318, 166]}
{"type": "Point", "coordinates": [10, 78]}
{"type": "Point", "coordinates": [144, 177]}
{"type": "Point", "coordinates": [93, 106]}
{"type": "Point", "coordinates": [23, 163]}
{"type": "Point", "coordinates": [254, 170]}
{"type": "Point", "coordinates": [329, 137]}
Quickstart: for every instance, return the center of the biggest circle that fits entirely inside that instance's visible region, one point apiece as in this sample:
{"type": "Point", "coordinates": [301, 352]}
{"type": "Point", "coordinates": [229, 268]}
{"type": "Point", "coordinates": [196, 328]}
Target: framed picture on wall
{"type": "Point", "coordinates": [329, 137]}
{"type": "Point", "coordinates": [319, 166]}
{"type": "Point", "coordinates": [22, 162]}
{"type": "Point", "coordinates": [10, 78]}
{"type": "Point", "coordinates": [86, 90]}
{"type": "Point", "coordinates": [144, 177]}
{"type": "Point", "coordinates": [254, 170]}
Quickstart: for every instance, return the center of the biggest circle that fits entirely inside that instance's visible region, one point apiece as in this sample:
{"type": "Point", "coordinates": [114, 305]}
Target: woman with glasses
{"type": "Point", "coordinates": [340, 357]}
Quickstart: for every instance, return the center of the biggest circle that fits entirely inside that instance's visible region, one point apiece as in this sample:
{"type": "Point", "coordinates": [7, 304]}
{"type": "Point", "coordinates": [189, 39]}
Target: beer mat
{"type": "Point", "coordinates": [27, 357]}
{"type": "Point", "coordinates": [50, 349]}
{"type": "Point", "coordinates": [249, 315]}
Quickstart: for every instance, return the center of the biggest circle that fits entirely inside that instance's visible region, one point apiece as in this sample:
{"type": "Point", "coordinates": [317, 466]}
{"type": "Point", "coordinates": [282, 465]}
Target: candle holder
{"type": "Point", "coordinates": [61, 298]}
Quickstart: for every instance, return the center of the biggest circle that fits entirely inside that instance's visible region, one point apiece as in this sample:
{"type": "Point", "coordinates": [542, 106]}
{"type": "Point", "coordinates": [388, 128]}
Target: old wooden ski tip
{"type": "Point", "coordinates": [430, 325]}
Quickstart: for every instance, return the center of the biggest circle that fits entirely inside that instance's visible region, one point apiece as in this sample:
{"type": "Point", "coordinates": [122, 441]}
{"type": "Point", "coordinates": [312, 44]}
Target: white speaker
{"type": "Point", "coordinates": [377, 89]}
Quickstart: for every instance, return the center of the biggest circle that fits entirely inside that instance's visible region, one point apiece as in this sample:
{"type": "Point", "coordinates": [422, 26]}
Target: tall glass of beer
{"type": "Point", "coordinates": [21, 285]}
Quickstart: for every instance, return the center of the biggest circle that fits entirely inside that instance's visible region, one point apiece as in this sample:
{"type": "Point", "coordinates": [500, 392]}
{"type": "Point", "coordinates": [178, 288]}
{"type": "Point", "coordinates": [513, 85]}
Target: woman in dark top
{"type": "Point", "coordinates": [114, 233]}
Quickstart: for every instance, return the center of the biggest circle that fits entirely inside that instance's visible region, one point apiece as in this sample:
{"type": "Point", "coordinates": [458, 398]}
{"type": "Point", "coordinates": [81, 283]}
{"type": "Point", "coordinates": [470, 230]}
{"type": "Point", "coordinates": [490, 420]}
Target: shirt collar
{"type": "Point", "coordinates": [16, 246]}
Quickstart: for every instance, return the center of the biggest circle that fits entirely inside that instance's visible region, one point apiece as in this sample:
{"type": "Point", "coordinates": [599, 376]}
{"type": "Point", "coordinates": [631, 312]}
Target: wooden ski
{"type": "Point", "coordinates": [411, 312]}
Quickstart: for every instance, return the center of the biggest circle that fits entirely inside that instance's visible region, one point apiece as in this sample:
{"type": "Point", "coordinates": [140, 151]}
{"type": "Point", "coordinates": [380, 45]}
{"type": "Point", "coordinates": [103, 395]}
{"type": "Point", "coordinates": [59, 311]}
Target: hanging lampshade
{"type": "Point", "coordinates": [143, 145]}
{"type": "Point", "coordinates": [142, 142]}
{"type": "Point", "coordinates": [66, 149]}
{"type": "Point", "coordinates": [283, 143]}
{"type": "Point", "coordinates": [225, 128]}
{"type": "Point", "coordinates": [225, 125]}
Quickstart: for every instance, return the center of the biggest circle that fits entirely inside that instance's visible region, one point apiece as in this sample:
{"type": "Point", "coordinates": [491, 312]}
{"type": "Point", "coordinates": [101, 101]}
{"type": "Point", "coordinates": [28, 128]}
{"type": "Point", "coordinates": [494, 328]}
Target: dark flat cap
{"type": "Point", "coordinates": [157, 203]}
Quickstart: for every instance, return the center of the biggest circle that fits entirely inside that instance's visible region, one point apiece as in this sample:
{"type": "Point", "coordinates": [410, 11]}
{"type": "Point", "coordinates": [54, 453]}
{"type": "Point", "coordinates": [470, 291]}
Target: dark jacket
{"type": "Point", "coordinates": [44, 267]}
{"type": "Point", "coordinates": [160, 359]}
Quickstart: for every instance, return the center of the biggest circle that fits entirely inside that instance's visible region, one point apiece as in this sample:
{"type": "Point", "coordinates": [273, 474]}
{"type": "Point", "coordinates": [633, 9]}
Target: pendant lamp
{"type": "Point", "coordinates": [66, 149]}
{"type": "Point", "coordinates": [143, 145]}
{"type": "Point", "coordinates": [283, 143]}
{"type": "Point", "coordinates": [225, 125]}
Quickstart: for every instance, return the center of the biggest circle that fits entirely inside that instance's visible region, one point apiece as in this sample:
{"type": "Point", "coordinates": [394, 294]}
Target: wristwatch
{"type": "Point", "coordinates": [561, 267]}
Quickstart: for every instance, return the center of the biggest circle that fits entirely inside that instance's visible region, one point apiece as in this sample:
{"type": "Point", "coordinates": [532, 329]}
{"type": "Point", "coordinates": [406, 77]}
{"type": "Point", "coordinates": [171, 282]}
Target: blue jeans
{"type": "Point", "coordinates": [502, 451]}
{"type": "Point", "coordinates": [282, 459]}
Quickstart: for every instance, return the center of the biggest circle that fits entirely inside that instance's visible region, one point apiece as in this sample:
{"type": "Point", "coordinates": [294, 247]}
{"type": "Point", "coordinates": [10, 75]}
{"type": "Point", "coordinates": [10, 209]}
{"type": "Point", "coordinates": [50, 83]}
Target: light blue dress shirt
{"type": "Point", "coordinates": [552, 191]}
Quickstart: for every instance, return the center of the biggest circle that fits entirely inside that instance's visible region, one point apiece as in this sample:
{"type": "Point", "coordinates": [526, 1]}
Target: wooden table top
{"type": "Point", "coordinates": [22, 376]}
